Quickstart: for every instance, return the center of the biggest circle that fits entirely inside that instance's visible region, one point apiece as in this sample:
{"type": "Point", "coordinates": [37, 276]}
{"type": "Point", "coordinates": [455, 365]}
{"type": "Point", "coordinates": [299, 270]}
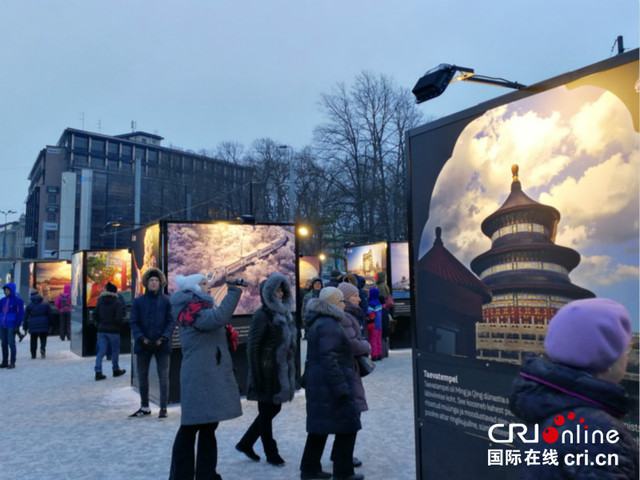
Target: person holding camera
{"type": "Point", "coordinates": [151, 328]}
{"type": "Point", "coordinates": [209, 391]}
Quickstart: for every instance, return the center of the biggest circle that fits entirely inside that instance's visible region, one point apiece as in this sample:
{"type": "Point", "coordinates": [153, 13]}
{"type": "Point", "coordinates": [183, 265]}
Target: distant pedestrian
{"type": "Point", "coordinates": [316, 286]}
{"type": "Point", "coordinates": [374, 324]}
{"type": "Point", "coordinates": [63, 303]}
{"type": "Point", "coordinates": [11, 316]}
{"type": "Point", "coordinates": [386, 299]}
{"type": "Point", "coordinates": [335, 279]}
{"type": "Point", "coordinates": [587, 345]}
{"type": "Point", "coordinates": [271, 350]}
{"type": "Point", "coordinates": [360, 346]}
{"type": "Point", "coordinates": [209, 392]}
{"type": "Point", "coordinates": [108, 319]}
{"type": "Point", "coordinates": [151, 329]}
{"type": "Point", "coordinates": [37, 321]}
{"type": "Point", "coordinates": [329, 380]}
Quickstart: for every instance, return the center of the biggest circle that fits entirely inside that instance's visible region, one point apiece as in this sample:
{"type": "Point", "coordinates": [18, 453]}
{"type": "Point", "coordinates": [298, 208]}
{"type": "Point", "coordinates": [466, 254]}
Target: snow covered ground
{"type": "Point", "coordinates": [59, 423]}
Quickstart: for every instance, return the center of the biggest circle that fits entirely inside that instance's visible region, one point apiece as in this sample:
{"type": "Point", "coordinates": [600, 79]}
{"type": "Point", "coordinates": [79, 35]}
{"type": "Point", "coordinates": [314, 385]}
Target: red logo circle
{"type": "Point", "coordinates": [550, 435]}
{"type": "Point", "coordinates": [559, 420]}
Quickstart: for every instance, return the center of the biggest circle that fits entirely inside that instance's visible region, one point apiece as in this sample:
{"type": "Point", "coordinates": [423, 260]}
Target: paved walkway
{"type": "Point", "coordinates": [58, 423]}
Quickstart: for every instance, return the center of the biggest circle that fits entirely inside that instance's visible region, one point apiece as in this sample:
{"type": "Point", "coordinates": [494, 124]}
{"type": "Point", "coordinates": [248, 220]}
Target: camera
{"type": "Point", "coordinates": [237, 281]}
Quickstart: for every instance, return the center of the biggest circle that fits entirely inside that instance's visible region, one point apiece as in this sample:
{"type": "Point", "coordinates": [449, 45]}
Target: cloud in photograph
{"type": "Point", "coordinates": [577, 151]}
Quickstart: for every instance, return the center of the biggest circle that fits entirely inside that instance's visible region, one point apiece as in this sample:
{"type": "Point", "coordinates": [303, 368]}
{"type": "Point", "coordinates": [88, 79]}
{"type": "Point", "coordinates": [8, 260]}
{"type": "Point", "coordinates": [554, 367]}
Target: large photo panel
{"type": "Point", "coordinates": [367, 261]}
{"type": "Point", "coordinates": [518, 207]}
{"type": "Point", "coordinates": [219, 250]}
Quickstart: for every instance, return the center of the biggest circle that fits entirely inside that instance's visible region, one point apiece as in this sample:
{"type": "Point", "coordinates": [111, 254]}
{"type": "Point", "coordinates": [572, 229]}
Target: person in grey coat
{"type": "Point", "coordinates": [271, 350]}
{"type": "Point", "coordinates": [209, 392]}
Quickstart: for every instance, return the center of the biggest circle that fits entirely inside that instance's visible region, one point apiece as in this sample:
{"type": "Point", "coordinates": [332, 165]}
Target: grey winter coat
{"type": "Point", "coordinates": [208, 388]}
{"type": "Point", "coordinates": [330, 373]}
{"type": "Point", "coordinates": [360, 346]}
{"type": "Point", "coordinates": [271, 345]}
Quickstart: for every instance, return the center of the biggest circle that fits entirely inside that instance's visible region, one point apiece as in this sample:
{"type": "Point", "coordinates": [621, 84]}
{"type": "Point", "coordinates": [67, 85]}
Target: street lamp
{"type": "Point", "coordinates": [4, 235]}
{"type": "Point", "coordinates": [436, 80]}
{"type": "Point", "coordinates": [292, 181]}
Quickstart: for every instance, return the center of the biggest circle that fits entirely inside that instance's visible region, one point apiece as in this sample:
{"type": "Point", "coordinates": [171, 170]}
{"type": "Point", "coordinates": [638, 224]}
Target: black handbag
{"type": "Point", "coordinates": [365, 365]}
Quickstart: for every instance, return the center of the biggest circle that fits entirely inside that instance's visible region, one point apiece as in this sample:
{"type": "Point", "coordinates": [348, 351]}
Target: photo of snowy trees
{"type": "Point", "coordinates": [220, 250]}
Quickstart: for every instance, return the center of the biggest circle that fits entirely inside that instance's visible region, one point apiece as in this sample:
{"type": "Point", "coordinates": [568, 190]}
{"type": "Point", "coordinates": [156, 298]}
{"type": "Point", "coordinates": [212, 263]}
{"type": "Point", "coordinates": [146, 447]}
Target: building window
{"type": "Point", "coordinates": [97, 146]}
{"type": "Point", "coordinates": [51, 217]}
{"type": "Point", "coordinates": [52, 198]}
{"type": "Point", "coordinates": [51, 235]}
{"type": "Point", "coordinates": [80, 143]}
{"type": "Point", "coordinates": [113, 149]}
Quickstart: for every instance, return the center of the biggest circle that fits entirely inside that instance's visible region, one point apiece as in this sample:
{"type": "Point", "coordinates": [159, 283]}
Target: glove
{"type": "Point", "coordinates": [239, 282]}
{"type": "Point", "coordinates": [162, 341]}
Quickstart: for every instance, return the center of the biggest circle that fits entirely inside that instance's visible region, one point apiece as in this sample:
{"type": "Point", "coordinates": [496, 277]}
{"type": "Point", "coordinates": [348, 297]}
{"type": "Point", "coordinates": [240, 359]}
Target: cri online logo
{"type": "Point", "coordinates": [581, 433]}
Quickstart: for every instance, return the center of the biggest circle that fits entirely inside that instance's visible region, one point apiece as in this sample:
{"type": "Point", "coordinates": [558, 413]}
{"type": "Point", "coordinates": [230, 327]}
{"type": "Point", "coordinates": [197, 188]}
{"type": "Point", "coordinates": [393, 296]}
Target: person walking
{"type": "Point", "coordinates": [360, 346]}
{"type": "Point", "coordinates": [37, 321]}
{"type": "Point", "coordinates": [11, 316]}
{"type": "Point", "coordinates": [151, 329]}
{"type": "Point", "coordinates": [587, 346]}
{"type": "Point", "coordinates": [329, 379]}
{"type": "Point", "coordinates": [63, 303]}
{"type": "Point", "coordinates": [209, 392]}
{"type": "Point", "coordinates": [271, 352]}
{"type": "Point", "coordinates": [108, 319]}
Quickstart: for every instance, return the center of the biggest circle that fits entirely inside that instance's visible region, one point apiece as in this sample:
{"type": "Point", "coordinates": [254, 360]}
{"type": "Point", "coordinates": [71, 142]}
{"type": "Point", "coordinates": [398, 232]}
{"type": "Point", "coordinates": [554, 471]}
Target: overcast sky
{"type": "Point", "coordinates": [202, 72]}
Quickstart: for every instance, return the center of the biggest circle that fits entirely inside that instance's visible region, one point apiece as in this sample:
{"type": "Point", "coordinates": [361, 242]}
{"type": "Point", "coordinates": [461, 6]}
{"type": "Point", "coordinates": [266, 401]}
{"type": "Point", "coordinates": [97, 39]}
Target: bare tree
{"type": "Point", "coordinates": [364, 134]}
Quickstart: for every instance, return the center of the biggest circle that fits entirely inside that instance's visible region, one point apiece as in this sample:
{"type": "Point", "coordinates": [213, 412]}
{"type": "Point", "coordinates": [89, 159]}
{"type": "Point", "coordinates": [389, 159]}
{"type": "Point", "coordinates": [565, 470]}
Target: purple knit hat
{"type": "Point", "coordinates": [590, 334]}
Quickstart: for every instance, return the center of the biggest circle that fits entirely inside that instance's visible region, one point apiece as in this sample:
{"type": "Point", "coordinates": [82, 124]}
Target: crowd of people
{"type": "Point", "coordinates": [586, 355]}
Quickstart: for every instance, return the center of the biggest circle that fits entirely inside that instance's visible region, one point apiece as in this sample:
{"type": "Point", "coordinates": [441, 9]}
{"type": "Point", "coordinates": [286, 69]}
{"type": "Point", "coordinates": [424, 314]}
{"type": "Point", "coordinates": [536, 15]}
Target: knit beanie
{"type": "Point", "coordinates": [190, 282]}
{"type": "Point", "coordinates": [347, 290]}
{"type": "Point", "coordinates": [110, 287]}
{"type": "Point", "coordinates": [590, 334]}
{"type": "Point", "coordinates": [331, 295]}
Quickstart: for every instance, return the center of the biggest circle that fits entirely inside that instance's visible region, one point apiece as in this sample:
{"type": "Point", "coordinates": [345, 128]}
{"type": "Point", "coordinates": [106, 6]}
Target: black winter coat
{"type": "Point", "coordinates": [37, 315]}
{"type": "Point", "coordinates": [329, 372]}
{"type": "Point", "coordinates": [108, 313]}
{"type": "Point", "coordinates": [272, 345]}
{"type": "Point", "coordinates": [151, 318]}
{"type": "Point", "coordinates": [539, 403]}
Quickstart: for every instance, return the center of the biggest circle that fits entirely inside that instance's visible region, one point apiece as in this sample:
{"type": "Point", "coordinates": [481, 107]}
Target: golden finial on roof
{"type": "Point", "coordinates": [514, 171]}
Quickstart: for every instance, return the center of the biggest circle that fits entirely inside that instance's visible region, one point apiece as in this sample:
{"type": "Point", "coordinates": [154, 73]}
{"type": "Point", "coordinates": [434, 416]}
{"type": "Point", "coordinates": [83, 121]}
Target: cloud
{"type": "Point", "coordinates": [601, 203]}
{"type": "Point", "coordinates": [602, 270]}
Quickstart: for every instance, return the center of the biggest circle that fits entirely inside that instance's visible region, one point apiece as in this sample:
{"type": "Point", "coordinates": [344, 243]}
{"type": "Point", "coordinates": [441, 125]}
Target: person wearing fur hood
{"type": "Point", "coordinates": [151, 329]}
{"type": "Point", "coordinates": [209, 391]}
{"type": "Point", "coordinates": [271, 350]}
{"type": "Point", "coordinates": [329, 379]}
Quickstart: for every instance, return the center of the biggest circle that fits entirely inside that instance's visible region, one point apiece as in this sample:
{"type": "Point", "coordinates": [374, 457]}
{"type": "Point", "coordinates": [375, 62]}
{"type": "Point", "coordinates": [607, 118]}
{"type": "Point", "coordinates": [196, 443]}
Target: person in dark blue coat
{"type": "Point", "coordinates": [37, 321]}
{"type": "Point", "coordinates": [11, 316]}
{"type": "Point", "coordinates": [329, 379]}
{"type": "Point", "coordinates": [152, 327]}
{"type": "Point", "coordinates": [577, 389]}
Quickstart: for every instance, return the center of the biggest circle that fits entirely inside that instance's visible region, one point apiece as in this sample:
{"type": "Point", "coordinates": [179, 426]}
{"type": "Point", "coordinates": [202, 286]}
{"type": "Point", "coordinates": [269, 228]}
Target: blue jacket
{"type": "Point", "coordinates": [11, 308]}
{"type": "Point", "coordinates": [151, 318]}
{"type": "Point", "coordinates": [37, 316]}
{"type": "Point", "coordinates": [550, 389]}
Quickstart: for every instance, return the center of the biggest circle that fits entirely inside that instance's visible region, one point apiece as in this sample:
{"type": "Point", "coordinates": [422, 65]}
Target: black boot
{"type": "Point", "coordinates": [100, 376]}
{"type": "Point", "coordinates": [117, 373]}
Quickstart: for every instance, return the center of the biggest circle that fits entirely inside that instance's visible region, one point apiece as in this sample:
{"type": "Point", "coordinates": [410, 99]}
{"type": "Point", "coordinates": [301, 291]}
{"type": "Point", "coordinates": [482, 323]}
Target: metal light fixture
{"type": "Point", "coordinates": [436, 80]}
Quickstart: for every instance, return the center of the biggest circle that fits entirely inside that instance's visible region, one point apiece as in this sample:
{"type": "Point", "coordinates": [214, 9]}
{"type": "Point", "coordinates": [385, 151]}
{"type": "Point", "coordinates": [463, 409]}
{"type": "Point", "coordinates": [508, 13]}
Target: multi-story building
{"type": "Point", "coordinates": [90, 190]}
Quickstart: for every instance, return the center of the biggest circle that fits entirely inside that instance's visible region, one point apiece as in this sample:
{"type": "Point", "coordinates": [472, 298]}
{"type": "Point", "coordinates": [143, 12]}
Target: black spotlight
{"type": "Point", "coordinates": [434, 82]}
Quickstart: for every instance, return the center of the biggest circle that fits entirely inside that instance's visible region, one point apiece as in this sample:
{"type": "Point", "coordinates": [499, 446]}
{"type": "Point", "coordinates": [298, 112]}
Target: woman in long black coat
{"type": "Point", "coordinates": [329, 380]}
{"type": "Point", "coordinates": [271, 349]}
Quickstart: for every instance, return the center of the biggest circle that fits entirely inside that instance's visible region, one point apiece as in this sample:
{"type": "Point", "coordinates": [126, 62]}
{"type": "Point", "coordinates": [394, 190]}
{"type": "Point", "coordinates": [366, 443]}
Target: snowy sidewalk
{"type": "Point", "coordinates": [59, 423]}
